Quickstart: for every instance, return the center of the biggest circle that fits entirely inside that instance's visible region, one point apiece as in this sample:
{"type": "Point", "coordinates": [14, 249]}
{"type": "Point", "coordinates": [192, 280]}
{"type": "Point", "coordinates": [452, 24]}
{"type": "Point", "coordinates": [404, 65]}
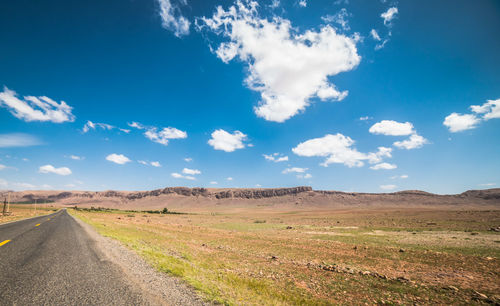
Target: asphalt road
{"type": "Point", "coordinates": [51, 260]}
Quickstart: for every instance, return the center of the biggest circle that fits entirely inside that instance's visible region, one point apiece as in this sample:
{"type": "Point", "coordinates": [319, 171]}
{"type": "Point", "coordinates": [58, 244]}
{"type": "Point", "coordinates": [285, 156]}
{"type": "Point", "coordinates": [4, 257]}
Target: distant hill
{"type": "Point", "coordinates": [302, 197]}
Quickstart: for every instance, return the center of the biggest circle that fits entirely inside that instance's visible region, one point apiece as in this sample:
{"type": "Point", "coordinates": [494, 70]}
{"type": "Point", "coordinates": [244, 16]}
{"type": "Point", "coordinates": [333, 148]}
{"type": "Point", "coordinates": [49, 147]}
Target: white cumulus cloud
{"type": "Point", "coordinates": [191, 171]}
{"type": "Point", "coordinates": [339, 149]}
{"type": "Point", "coordinates": [164, 135]}
{"type": "Point", "coordinates": [118, 158]}
{"type": "Point", "coordinates": [161, 136]}
{"type": "Point", "coordinates": [275, 157]}
{"type": "Point", "coordinates": [180, 176]}
{"type": "Point", "coordinates": [32, 108]}
{"type": "Point", "coordinates": [456, 122]}
{"type": "Point", "coordinates": [225, 141]}
{"type": "Point", "coordinates": [172, 18]}
{"type": "Point", "coordinates": [489, 110]}
{"type": "Point", "coordinates": [52, 169]}
{"type": "Point", "coordinates": [155, 164]}
{"type": "Point", "coordinates": [414, 142]}
{"type": "Point", "coordinates": [383, 166]}
{"type": "Point", "coordinates": [392, 128]}
{"type": "Point", "coordinates": [287, 68]}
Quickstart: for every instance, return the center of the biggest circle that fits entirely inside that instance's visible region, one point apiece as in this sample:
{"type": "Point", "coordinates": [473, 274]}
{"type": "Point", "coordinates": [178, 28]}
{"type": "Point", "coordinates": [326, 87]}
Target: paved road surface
{"type": "Point", "coordinates": [51, 260]}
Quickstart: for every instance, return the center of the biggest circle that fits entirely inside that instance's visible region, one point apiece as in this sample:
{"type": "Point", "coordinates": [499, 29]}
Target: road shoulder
{"type": "Point", "coordinates": [162, 288]}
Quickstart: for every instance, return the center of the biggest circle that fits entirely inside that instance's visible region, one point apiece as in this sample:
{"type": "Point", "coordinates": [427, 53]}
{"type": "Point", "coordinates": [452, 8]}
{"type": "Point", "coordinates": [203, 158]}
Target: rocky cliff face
{"type": "Point", "coordinates": [182, 191]}
{"type": "Point", "coordinates": [472, 196]}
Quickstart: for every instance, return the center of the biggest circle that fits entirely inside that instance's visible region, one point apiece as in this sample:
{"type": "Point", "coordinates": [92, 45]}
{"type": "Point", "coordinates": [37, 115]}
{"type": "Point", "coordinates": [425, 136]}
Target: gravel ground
{"type": "Point", "coordinates": [161, 288]}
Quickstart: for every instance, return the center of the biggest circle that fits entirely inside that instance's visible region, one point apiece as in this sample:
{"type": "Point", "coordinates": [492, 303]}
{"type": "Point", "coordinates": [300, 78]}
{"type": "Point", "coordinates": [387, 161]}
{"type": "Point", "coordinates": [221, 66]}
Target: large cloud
{"type": "Point", "coordinates": [461, 122]}
{"type": "Point", "coordinates": [222, 140]}
{"type": "Point", "coordinates": [32, 108]}
{"type": "Point", "coordinates": [172, 18]}
{"type": "Point", "coordinates": [339, 149]}
{"type": "Point", "coordinates": [285, 67]}
{"type": "Point", "coordinates": [457, 122]}
{"type": "Point", "coordinates": [52, 169]}
{"type": "Point", "coordinates": [394, 128]}
{"type": "Point", "coordinates": [489, 110]}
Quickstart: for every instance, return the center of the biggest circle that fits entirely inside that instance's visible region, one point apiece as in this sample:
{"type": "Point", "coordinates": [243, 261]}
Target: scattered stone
{"type": "Point", "coordinates": [495, 229]}
{"type": "Point", "coordinates": [452, 288]}
{"type": "Point", "coordinates": [274, 257]}
{"type": "Point", "coordinates": [355, 247]}
{"type": "Point", "coordinates": [289, 227]}
{"type": "Point", "coordinates": [479, 295]}
{"type": "Point", "coordinates": [402, 279]}
{"type": "Point", "coordinates": [203, 245]}
{"type": "Point", "coordinates": [402, 250]}
{"type": "Point", "coordinates": [474, 233]}
{"type": "Point", "coordinates": [431, 223]}
{"type": "Point", "coordinates": [489, 258]}
{"type": "Point", "coordinates": [365, 272]}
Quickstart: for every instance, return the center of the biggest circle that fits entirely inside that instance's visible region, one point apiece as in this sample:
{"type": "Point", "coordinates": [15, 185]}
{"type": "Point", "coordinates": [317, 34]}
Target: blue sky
{"type": "Point", "coordinates": [342, 95]}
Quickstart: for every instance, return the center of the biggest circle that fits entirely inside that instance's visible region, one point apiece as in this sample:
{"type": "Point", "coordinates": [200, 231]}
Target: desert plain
{"type": "Point", "coordinates": [295, 246]}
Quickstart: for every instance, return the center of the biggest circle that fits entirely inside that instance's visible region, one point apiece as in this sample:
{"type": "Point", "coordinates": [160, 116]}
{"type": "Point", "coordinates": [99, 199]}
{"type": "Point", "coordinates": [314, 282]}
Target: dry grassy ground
{"type": "Point", "coordinates": [22, 211]}
{"type": "Point", "coordinates": [411, 256]}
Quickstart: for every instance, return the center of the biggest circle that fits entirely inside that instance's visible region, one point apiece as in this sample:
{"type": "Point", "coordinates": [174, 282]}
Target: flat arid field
{"type": "Point", "coordinates": [22, 211]}
{"type": "Point", "coordinates": [335, 256]}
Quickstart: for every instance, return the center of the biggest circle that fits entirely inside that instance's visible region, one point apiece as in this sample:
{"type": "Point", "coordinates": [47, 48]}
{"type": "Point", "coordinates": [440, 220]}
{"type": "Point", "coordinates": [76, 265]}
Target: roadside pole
{"type": "Point", "coordinates": [4, 207]}
{"type": "Point", "coordinates": [8, 202]}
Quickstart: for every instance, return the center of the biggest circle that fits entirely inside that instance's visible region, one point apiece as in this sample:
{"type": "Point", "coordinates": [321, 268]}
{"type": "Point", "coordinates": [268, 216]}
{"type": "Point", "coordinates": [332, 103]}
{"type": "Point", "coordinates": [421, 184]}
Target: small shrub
{"type": "Point", "coordinates": [259, 221]}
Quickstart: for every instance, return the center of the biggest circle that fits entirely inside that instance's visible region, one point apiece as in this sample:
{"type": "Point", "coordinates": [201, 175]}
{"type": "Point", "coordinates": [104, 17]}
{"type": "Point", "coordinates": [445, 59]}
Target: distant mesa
{"type": "Point", "coordinates": [300, 197]}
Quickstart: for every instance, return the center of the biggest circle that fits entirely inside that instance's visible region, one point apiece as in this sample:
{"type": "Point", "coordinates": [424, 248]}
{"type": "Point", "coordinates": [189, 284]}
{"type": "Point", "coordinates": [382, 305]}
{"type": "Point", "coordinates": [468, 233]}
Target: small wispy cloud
{"type": "Point", "coordinates": [32, 108]}
{"type": "Point", "coordinates": [161, 136]}
{"type": "Point", "coordinates": [275, 157]}
{"type": "Point", "coordinates": [180, 176]}
{"type": "Point", "coordinates": [172, 18]}
{"type": "Point", "coordinates": [18, 140]}
{"type": "Point", "coordinates": [294, 170]}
